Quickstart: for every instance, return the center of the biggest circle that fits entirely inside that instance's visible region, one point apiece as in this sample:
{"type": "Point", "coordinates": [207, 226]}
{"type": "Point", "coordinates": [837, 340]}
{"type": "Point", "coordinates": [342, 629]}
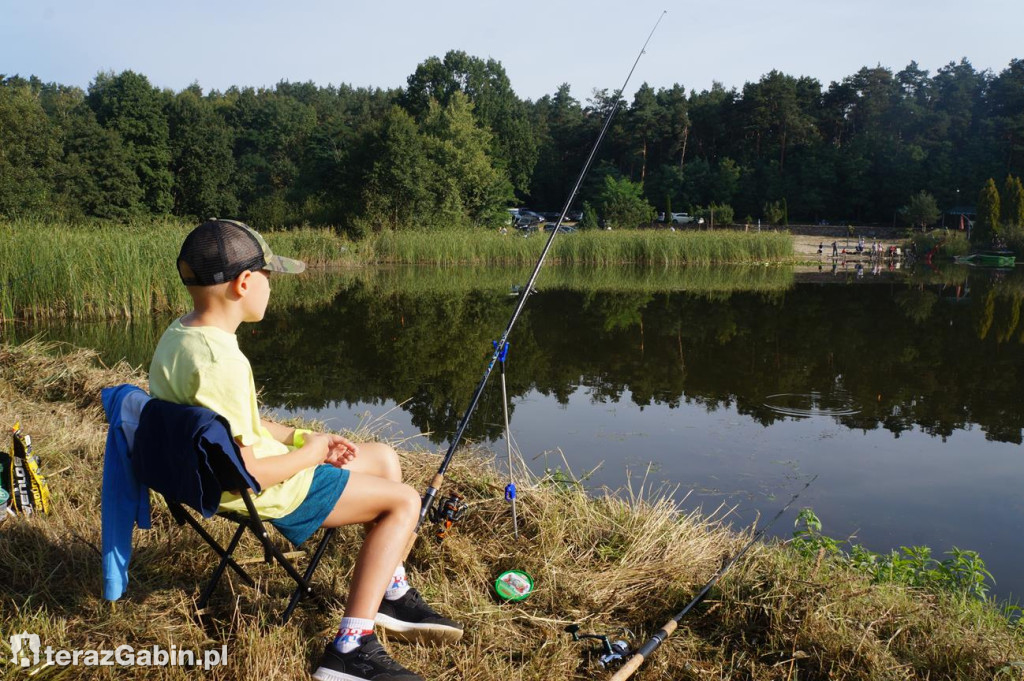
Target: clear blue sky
{"type": "Point", "coordinates": [588, 44]}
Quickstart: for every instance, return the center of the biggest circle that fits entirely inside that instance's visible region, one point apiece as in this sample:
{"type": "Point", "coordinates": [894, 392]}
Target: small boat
{"type": "Point", "coordinates": [988, 259]}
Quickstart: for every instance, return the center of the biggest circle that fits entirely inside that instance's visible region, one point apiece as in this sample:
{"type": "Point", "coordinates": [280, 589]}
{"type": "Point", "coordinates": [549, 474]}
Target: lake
{"type": "Point", "coordinates": [901, 391]}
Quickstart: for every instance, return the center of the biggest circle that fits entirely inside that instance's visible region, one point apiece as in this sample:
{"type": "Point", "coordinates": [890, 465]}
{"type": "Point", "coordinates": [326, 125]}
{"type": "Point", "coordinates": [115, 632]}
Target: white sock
{"type": "Point", "coordinates": [399, 584]}
{"type": "Point", "coordinates": [350, 631]}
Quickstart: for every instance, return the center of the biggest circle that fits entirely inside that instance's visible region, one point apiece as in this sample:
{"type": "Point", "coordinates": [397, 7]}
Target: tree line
{"type": "Point", "coordinates": [457, 146]}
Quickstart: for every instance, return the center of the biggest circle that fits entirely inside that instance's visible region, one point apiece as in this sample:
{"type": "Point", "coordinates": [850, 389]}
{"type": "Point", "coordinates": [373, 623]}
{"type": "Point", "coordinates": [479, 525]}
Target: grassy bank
{"type": "Point", "coordinates": [627, 560]}
{"type": "Point", "coordinates": [118, 271]}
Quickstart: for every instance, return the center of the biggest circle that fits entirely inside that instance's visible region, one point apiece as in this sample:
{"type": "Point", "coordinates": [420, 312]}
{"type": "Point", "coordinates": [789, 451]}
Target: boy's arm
{"type": "Point", "coordinates": [341, 450]}
{"type": "Point", "coordinates": [283, 434]}
{"type": "Point", "coordinates": [271, 470]}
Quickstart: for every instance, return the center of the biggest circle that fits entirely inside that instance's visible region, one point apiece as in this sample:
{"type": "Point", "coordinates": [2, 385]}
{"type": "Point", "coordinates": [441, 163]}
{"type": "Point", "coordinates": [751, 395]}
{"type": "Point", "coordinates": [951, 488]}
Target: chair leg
{"type": "Point", "coordinates": [308, 575]}
{"type": "Point", "coordinates": [225, 555]}
{"type": "Point", "coordinates": [257, 527]}
{"type": "Point", "coordinates": [219, 570]}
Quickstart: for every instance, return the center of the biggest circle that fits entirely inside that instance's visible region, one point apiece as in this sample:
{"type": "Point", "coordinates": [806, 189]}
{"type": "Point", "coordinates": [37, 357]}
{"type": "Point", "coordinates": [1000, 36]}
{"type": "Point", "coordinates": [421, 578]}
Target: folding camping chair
{"type": "Point", "coordinates": [160, 424]}
{"type": "Point", "coordinates": [270, 552]}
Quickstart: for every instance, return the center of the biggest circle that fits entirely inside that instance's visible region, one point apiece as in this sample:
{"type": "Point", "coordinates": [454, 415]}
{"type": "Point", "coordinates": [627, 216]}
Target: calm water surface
{"type": "Point", "coordinates": [901, 391]}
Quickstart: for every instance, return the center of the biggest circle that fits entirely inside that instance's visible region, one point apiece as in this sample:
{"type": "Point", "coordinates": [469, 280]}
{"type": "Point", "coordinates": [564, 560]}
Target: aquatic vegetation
{"type": "Point", "coordinates": [107, 270]}
{"type": "Point", "coordinates": [963, 573]}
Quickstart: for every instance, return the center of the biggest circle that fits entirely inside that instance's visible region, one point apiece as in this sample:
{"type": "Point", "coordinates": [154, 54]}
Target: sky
{"type": "Point", "coordinates": [587, 44]}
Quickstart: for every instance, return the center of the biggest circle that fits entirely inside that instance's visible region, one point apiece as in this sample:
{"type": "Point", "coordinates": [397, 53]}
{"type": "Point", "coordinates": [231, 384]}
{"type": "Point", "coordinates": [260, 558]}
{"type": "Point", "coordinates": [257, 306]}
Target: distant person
{"type": "Point", "coordinates": [309, 480]}
{"type": "Point", "coordinates": [821, 247]}
{"type": "Point", "coordinates": [835, 250]}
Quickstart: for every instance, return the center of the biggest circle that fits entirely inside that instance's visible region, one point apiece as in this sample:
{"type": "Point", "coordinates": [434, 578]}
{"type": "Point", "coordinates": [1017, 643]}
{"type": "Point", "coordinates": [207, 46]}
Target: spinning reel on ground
{"type": "Point", "coordinates": [610, 653]}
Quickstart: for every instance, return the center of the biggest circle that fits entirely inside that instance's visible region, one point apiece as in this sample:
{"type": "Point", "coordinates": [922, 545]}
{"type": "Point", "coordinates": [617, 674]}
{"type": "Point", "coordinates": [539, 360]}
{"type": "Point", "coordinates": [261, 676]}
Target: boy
{"type": "Point", "coordinates": [309, 480]}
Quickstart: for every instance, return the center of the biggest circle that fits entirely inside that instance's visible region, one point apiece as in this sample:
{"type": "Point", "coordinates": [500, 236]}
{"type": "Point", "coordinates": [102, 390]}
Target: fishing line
{"type": "Point", "coordinates": [431, 494]}
{"type": "Point", "coordinates": [644, 651]}
{"type": "Point", "coordinates": [510, 488]}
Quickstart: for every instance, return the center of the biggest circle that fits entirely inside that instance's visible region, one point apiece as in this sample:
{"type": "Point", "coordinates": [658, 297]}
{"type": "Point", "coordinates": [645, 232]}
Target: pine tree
{"type": "Point", "coordinates": [398, 186]}
{"type": "Point", "coordinates": [1012, 204]}
{"type": "Point", "coordinates": [467, 180]}
{"type": "Point", "coordinates": [987, 224]}
{"type": "Point", "coordinates": [922, 210]}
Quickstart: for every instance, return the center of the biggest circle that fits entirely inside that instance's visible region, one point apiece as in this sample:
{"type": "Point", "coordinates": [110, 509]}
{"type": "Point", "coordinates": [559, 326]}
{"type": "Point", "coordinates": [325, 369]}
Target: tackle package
{"type": "Point", "coordinates": [22, 478]}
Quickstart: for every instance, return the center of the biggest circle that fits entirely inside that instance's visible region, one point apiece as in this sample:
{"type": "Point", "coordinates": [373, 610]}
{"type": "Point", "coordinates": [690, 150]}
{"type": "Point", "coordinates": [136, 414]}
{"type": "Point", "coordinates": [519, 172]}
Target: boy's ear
{"type": "Point", "coordinates": [240, 284]}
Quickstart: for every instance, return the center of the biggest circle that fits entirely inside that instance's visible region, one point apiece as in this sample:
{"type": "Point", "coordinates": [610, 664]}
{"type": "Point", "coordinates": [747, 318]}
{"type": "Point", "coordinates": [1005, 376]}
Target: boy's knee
{"type": "Point", "coordinates": [410, 500]}
{"type": "Point", "coordinates": [386, 463]}
{"type": "Point", "coordinates": [392, 466]}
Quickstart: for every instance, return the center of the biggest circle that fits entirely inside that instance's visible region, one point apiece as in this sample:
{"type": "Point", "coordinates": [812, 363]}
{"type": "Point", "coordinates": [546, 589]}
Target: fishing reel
{"type": "Point", "coordinates": [448, 512]}
{"type": "Point", "coordinates": [610, 653]}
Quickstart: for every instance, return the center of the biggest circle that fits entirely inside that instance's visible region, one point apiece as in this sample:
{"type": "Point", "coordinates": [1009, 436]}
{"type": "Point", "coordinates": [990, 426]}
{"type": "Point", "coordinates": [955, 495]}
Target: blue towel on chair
{"type": "Point", "coordinates": [125, 502]}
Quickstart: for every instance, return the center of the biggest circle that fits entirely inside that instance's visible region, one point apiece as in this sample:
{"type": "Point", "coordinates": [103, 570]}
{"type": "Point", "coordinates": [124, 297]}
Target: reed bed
{"type": "Point", "coordinates": [694, 279]}
{"type": "Point", "coordinates": [662, 247]}
{"type": "Point", "coordinates": [89, 270]}
{"type": "Point", "coordinates": [603, 560]}
{"type": "Point", "coordinates": [104, 271]}
{"type": "Point", "coordinates": [595, 248]}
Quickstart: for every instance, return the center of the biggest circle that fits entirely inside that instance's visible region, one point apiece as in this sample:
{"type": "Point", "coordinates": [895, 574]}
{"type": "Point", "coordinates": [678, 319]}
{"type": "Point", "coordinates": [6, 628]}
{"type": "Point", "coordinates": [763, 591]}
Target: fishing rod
{"type": "Point", "coordinates": [644, 651]}
{"type": "Point", "coordinates": [435, 484]}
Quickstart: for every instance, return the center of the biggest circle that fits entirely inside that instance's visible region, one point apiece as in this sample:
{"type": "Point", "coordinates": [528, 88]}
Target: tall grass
{"type": "Point", "coordinates": [644, 247]}
{"type": "Point", "coordinates": [696, 279]}
{"type": "Point", "coordinates": [89, 271]}
{"type": "Point", "coordinates": [99, 271]}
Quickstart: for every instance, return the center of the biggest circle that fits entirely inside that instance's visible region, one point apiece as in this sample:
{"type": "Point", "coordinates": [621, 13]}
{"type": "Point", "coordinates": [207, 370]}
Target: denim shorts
{"type": "Point", "coordinates": [324, 491]}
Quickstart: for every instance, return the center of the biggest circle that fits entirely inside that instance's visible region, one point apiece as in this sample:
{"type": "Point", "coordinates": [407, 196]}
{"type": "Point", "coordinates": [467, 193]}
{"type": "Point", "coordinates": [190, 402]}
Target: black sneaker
{"type": "Point", "coordinates": [411, 620]}
{"type": "Point", "coordinates": [368, 662]}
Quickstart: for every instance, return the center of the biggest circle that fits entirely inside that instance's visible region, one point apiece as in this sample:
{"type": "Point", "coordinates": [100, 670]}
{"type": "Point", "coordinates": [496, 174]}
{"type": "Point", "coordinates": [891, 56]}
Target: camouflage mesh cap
{"type": "Point", "coordinates": [219, 250]}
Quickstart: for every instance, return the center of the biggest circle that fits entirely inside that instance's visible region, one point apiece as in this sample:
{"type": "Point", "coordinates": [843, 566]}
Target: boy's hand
{"type": "Point", "coordinates": [341, 451]}
{"type": "Point", "coordinates": [318, 445]}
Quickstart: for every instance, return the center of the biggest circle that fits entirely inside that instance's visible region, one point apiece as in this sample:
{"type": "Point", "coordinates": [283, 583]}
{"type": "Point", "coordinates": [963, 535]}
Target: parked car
{"type": "Point", "coordinates": [564, 229]}
{"type": "Point", "coordinates": [528, 217]}
{"type": "Point", "coordinates": [676, 218]}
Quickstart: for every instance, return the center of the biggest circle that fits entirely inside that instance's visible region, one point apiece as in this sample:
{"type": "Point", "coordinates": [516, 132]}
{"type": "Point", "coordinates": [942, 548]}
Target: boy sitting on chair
{"type": "Point", "coordinates": [309, 480]}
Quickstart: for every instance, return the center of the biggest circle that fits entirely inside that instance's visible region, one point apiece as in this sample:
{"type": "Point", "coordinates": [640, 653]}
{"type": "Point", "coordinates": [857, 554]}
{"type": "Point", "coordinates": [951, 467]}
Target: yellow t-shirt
{"type": "Point", "coordinates": [203, 366]}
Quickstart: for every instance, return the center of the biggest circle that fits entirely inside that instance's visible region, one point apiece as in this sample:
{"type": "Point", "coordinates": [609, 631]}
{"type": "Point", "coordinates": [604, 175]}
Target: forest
{"type": "Point", "coordinates": [456, 147]}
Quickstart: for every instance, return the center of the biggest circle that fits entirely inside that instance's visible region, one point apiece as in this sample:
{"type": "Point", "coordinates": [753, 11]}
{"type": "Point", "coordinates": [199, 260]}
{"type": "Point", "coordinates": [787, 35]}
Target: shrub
{"type": "Point", "coordinates": [623, 205]}
{"type": "Point", "coordinates": [775, 213]}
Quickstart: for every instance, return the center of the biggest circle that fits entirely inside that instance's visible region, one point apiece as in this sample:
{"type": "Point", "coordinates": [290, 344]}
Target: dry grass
{"type": "Point", "coordinates": [615, 560]}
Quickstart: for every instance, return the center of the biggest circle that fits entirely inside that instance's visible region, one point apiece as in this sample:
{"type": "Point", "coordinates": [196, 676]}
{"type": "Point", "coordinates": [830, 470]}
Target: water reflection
{"type": "Point", "coordinates": [940, 353]}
